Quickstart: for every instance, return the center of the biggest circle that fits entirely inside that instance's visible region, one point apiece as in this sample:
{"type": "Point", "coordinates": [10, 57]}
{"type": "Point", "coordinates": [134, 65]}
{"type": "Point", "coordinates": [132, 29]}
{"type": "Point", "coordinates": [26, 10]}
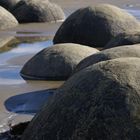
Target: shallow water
{"type": "Point", "coordinates": [12, 84]}
{"type": "Point", "coordinates": [12, 87]}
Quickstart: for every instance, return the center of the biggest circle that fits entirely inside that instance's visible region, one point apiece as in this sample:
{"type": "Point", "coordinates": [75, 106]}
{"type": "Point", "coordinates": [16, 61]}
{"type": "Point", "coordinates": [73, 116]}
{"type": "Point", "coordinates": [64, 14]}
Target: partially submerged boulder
{"type": "Point", "coordinates": [38, 11]}
{"type": "Point", "coordinates": [7, 20]}
{"type": "Point", "coordinates": [101, 102]}
{"type": "Point", "coordinates": [129, 38]}
{"type": "Point", "coordinates": [8, 4]}
{"type": "Point", "coordinates": [95, 26]}
{"type": "Point", "coordinates": [121, 51]}
{"type": "Point", "coordinates": [56, 62]}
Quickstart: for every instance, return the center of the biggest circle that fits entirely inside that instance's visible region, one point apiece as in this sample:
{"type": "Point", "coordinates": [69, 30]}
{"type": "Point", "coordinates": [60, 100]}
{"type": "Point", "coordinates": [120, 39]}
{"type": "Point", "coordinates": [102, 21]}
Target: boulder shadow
{"type": "Point", "coordinates": [28, 103]}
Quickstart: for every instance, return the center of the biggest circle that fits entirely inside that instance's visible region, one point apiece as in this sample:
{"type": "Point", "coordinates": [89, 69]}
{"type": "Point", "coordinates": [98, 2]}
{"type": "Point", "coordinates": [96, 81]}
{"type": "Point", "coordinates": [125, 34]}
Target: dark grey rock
{"type": "Point", "coordinates": [56, 62]}
{"type": "Point", "coordinates": [37, 11]}
{"type": "Point", "coordinates": [95, 26]}
{"type": "Point", "coordinates": [124, 39]}
{"type": "Point", "coordinates": [101, 102]}
{"type": "Point", "coordinates": [8, 4]}
{"type": "Point", "coordinates": [117, 52]}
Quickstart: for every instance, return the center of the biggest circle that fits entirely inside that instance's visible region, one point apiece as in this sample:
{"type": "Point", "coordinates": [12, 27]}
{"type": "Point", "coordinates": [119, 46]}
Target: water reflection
{"type": "Point", "coordinates": [9, 72]}
{"type": "Point", "coordinates": [10, 76]}
{"type": "Point", "coordinates": [135, 12]}
{"type": "Point", "coordinates": [28, 103]}
{"type": "Point", "coordinates": [25, 48]}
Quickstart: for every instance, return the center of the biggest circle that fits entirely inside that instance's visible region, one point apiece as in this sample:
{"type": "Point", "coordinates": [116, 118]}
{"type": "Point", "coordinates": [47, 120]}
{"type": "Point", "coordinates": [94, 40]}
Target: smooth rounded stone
{"type": "Point", "coordinates": [7, 20]}
{"type": "Point", "coordinates": [8, 4]}
{"type": "Point", "coordinates": [56, 62]}
{"type": "Point", "coordinates": [101, 102]}
{"type": "Point", "coordinates": [117, 52]}
{"type": "Point", "coordinates": [95, 26]}
{"type": "Point", "coordinates": [124, 39]}
{"type": "Point", "coordinates": [38, 11]}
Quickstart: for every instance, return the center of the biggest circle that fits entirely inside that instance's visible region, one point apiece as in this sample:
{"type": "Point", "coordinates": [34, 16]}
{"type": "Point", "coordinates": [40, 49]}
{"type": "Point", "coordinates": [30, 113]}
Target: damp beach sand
{"type": "Point", "coordinates": [20, 99]}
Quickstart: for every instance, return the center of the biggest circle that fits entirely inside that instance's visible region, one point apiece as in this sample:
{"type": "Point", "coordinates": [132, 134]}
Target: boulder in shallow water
{"type": "Point", "coordinates": [124, 39]}
{"type": "Point", "coordinates": [7, 20]}
{"type": "Point", "coordinates": [37, 11]}
{"type": "Point", "coordinates": [101, 102]}
{"type": "Point", "coordinates": [117, 52]}
{"type": "Point", "coordinates": [95, 26]}
{"type": "Point", "coordinates": [56, 62]}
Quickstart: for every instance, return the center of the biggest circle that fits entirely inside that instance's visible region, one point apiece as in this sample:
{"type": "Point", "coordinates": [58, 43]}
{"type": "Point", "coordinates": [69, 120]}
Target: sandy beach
{"type": "Point", "coordinates": [33, 38]}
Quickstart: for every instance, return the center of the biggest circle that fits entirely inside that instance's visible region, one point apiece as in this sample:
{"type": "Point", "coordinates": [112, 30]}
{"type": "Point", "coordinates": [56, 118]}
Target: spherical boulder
{"type": "Point", "coordinates": [8, 4]}
{"type": "Point", "coordinates": [124, 39]}
{"type": "Point", "coordinates": [101, 102]}
{"type": "Point", "coordinates": [95, 26]}
{"type": "Point", "coordinates": [56, 62]}
{"type": "Point", "coordinates": [37, 11]}
{"type": "Point", "coordinates": [117, 52]}
{"type": "Point", "coordinates": [7, 20]}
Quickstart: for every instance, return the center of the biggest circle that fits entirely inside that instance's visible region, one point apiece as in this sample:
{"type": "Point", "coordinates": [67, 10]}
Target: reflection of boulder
{"type": "Point", "coordinates": [37, 11]}
{"type": "Point", "coordinates": [95, 26]}
{"type": "Point", "coordinates": [7, 20]}
{"type": "Point", "coordinates": [122, 51]}
{"type": "Point", "coordinates": [124, 39]}
{"type": "Point", "coordinates": [56, 62]}
{"type": "Point", "coordinates": [8, 4]}
{"type": "Point", "coordinates": [100, 102]}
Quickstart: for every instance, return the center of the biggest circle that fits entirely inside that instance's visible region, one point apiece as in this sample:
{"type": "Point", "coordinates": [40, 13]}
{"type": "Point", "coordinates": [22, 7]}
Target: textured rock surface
{"type": "Point", "coordinates": [56, 62]}
{"type": "Point", "coordinates": [38, 11]}
{"type": "Point", "coordinates": [124, 39]}
{"type": "Point", "coordinates": [121, 51]}
{"type": "Point", "coordinates": [95, 26]}
{"type": "Point", "coordinates": [8, 4]}
{"type": "Point", "coordinates": [101, 102]}
{"type": "Point", "coordinates": [7, 20]}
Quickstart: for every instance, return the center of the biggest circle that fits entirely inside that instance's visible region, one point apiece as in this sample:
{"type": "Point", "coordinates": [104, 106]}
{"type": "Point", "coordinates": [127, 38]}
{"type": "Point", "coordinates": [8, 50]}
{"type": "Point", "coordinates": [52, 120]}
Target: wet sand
{"type": "Point", "coordinates": [13, 58]}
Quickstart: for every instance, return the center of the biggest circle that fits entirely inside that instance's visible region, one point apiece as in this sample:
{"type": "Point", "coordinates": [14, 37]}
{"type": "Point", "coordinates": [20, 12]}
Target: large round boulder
{"type": "Point", "coordinates": [8, 4]}
{"type": "Point", "coordinates": [56, 62]}
{"type": "Point", "coordinates": [101, 102]}
{"type": "Point", "coordinates": [38, 11]}
{"type": "Point", "coordinates": [124, 39]}
{"type": "Point", "coordinates": [7, 20]}
{"type": "Point", "coordinates": [95, 26]}
{"type": "Point", "coordinates": [117, 52]}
